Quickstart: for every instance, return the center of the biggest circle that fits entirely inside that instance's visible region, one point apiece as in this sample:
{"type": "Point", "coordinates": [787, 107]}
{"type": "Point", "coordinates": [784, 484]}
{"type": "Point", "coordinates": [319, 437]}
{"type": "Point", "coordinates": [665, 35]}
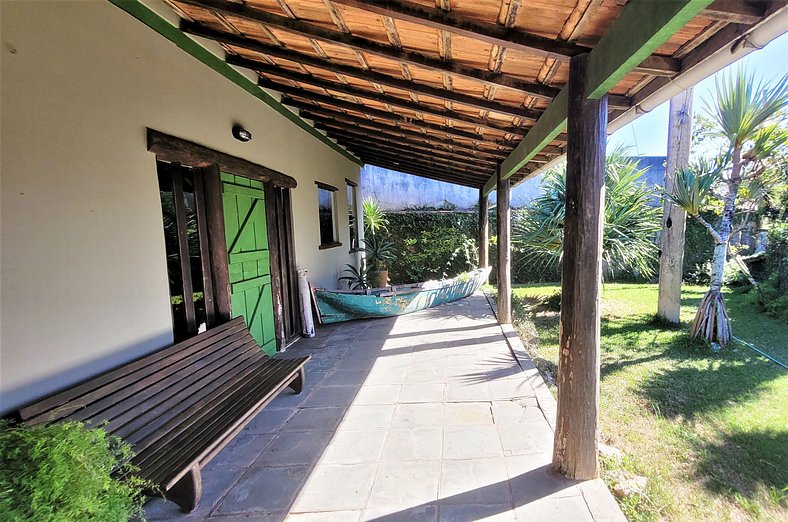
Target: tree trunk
{"type": "Point", "coordinates": [671, 253]}
{"type": "Point", "coordinates": [711, 322]}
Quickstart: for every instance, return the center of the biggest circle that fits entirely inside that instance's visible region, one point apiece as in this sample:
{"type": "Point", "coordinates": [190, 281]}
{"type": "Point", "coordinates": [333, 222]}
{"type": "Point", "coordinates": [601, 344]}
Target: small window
{"type": "Point", "coordinates": [352, 212]}
{"type": "Point", "coordinates": [326, 213]}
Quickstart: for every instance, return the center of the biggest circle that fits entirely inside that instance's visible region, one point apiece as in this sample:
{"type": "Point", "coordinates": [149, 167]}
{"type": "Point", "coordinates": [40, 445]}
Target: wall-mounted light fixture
{"type": "Point", "coordinates": [241, 134]}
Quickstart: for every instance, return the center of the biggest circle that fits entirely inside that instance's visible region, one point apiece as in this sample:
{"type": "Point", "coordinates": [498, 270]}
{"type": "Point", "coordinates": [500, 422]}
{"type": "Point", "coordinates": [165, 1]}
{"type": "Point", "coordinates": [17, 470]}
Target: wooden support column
{"type": "Point", "coordinates": [671, 254]}
{"type": "Point", "coordinates": [504, 250]}
{"type": "Point", "coordinates": [575, 452]}
{"type": "Point", "coordinates": [214, 213]}
{"type": "Point", "coordinates": [484, 229]}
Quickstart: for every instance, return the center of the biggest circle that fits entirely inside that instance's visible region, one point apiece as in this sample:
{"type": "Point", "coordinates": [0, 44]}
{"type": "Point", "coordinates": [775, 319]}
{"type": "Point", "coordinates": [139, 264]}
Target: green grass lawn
{"type": "Point", "coordinates": [709, 430]}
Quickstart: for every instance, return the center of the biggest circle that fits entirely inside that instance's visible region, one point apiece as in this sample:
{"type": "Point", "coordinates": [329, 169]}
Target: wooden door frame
{"type": "Point", "coordinates": [208, 164]}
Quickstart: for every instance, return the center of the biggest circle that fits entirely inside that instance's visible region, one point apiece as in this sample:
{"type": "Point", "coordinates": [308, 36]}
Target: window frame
{"type": "Point", "coordinates": [334, 218]}
{"type": "Point", "coordinates": [353, 212]}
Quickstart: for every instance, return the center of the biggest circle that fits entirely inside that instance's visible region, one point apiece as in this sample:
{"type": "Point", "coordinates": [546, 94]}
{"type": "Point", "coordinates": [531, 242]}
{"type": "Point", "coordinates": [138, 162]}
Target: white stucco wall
{"type": "Point", "coordinates": [83, 285]}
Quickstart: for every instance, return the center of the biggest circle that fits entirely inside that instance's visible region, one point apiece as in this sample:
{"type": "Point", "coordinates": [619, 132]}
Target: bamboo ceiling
{"type": "Point", "coordinates": [443, 89]}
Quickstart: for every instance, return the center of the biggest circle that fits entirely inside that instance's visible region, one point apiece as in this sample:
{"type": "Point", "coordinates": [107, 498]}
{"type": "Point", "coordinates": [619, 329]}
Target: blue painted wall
{"type": "Point", "coordinates": [396, 190]}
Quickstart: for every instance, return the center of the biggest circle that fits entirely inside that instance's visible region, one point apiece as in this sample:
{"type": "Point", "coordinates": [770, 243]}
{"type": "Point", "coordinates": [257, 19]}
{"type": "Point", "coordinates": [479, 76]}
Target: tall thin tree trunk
{"type": "Point", "coordinates": [711, 322]}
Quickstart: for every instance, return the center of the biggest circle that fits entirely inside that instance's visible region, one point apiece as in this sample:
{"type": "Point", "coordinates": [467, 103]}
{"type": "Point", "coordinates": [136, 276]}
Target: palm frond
{"type": "Point", "coordinates": [692, 185]}
{"type": "Point", "coordinates": [743, 105]}
{"type": "Point", "coordinates": [631, 220]}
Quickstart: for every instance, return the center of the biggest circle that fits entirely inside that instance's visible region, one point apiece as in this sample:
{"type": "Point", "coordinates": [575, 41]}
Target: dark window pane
{"type": "Point", "coordinates": [351, 203]}
{"type": "Point", "coordinates": [325, 200]}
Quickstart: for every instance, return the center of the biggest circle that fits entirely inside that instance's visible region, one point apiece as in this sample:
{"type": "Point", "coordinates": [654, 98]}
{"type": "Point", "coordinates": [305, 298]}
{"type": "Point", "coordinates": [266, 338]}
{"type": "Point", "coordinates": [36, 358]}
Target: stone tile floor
{"type": "Point", "coordinates": [423, 417]}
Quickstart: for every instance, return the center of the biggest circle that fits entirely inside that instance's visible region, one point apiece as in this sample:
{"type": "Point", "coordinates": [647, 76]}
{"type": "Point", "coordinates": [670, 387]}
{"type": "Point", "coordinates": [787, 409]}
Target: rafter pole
{"type": "Point", "coordinates": [340, 129]}
{"type": "Point", "coordinates": [456, 166]}
{"type": "Point", "coordinates": [386, 116]}
{"type": "Point", "coordinates": [339, 118]}
{"type": "Point", "coordinates": [410, 151]}
{"type": "Point", "coordinates": [354, 72]}
{"type": "Point", "coordinates": [391, 120]}
{"type": "Point", "coordinates": [332, 36]}
{"type": "Point", "coordinates": [386, 100]}
{"type": "Point", "coordinates": [641, 27]}
{"type": "Point", "coordinates": [575, 450]}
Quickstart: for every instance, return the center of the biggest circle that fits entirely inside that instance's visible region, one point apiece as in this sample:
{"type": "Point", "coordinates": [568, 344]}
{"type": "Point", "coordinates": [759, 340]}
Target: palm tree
{"type": "Point", "coordinates": [631, 220]}
{"type": "Point", "coordinates": [743, 113]}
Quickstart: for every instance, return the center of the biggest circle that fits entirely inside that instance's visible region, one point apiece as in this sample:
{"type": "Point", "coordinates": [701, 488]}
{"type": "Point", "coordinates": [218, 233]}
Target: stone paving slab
{"type": "Point", "coordinates": [433, 416]}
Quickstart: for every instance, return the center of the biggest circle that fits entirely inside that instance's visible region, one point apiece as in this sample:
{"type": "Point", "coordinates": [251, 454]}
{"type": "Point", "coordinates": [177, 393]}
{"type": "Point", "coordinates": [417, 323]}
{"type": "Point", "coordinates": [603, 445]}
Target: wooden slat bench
{"type": "Point", "coordinates": [178, 407]}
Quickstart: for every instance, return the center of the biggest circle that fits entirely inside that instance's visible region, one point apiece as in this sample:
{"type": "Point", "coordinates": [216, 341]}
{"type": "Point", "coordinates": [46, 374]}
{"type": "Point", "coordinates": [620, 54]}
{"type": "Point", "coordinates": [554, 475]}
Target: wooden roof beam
{"type": "Point", "coordinates": [501, 35]}
{"type": "Point", "coordinates": [358, 134]}
{"type": "Point", "coordinates": [395, 134]}
{"type": "Point", "coordinates": [639, 30]}
{"type": "Point", "coordinates": [384, 79]}
{"type": "Point", "coordinates": [387, 100]}
{"type": "Point", "coordinates": [448, 21]}
{"type": "Point", "coordinates": [736, 11]}
{"type": "Point", "coordinates": [473, 172]}
{"type": "Point", "coordinates": [309, 30]}
{"type": "Point", "coordinates": [352, 91]}
{"type": "Point", "coordinates": [469, 173]}
{"type": "Point", "coordinates": [383, 115]}
{"type": "Point", "coordinates": [407, 151]}
{"type": "Point", "coordinates": [336, 116]}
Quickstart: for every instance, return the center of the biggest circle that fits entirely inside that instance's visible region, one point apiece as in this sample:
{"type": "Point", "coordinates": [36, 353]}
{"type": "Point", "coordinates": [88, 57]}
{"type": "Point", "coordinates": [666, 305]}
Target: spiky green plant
{"type": "Point", "coordinates": [631, 220]}
{"type": "Point", "coordinates": [744, 113]}
{"type": "Point", "coordinates": [379, 252]}
{"type": "Point", "coordinates": [357, 278]}
{"type": "Point", "coordinates": [374, 216]}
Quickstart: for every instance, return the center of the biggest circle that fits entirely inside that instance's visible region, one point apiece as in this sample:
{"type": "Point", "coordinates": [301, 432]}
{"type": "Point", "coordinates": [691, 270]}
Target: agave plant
{"type": "Point", "coordinates": [631, 220]}
{"type": "Point", "coordinates": [357, 278]}
{"type": "Point", "coordinates": [744, 113]}
{"type": "Point", "coordinates": [374, 217]}
{"type": "Point", "coordinates": [379, 252]}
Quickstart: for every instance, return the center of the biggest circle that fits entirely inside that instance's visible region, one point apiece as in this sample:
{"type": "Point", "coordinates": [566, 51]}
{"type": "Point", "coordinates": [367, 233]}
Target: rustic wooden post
{"type": "Point", "coordinates": [576, 435]}
{"type": "Point", "coordinates": [671, 256]}
{"type": "Point", "coordinates": [214, 212]}
{"type": "Point", "coordinates": [504, 250]}
{"type": "Point", "coordinates": [484, 230]}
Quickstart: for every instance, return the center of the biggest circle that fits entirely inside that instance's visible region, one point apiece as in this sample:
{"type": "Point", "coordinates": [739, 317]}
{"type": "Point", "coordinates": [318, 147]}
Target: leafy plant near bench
{"type": "Point", "coordinates": [67, 471]}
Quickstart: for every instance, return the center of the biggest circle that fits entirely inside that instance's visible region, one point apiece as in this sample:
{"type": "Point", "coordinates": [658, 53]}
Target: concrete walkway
{"type": "Point", "coordinates": [422, 417]}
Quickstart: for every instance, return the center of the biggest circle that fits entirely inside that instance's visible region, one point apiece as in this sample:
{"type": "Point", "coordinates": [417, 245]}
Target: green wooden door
{"type": "Point", "coordinates": [248, 256]}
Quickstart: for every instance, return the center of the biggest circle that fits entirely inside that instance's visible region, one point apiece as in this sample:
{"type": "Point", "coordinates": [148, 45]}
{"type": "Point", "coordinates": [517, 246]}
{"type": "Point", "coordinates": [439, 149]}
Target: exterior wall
{"type": "Point", "coordinates": [84, 282]}
{"type": "Point", "coordinates": [397, 190]}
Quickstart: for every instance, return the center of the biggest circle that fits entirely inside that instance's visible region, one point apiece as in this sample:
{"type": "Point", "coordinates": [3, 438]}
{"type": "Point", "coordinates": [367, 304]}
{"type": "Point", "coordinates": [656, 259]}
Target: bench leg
{"type": "Point", "coordinates": [297, 384]}
{"type": "Point", "coordinates": [187, 491]}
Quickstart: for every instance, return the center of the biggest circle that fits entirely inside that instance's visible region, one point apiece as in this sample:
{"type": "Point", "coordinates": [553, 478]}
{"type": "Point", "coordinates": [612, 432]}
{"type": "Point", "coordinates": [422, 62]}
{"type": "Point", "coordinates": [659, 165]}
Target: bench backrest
{"type": "Point", "coordinates": [134, 397]}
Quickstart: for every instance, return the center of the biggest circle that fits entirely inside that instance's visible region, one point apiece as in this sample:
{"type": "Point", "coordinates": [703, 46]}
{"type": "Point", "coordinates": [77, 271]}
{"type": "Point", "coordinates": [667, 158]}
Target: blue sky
{"type": "Point", "coordinates": [648, 135]}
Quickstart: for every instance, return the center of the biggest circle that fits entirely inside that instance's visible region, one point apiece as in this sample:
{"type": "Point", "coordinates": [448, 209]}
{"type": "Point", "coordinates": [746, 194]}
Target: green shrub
{"type": "Point", "coordinates": [698, 249]}
{"type": "Point", "coordinates": [431, 244]}
{"type": "Point", "coordinates": [67, 472]}
{"type": "Point", "coordinates": [774, 289]}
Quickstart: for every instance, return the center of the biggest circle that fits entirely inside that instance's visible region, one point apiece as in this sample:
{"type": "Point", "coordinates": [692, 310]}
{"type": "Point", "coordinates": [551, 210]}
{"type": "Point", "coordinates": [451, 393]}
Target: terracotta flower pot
{"type": "Point", "coordinates": [380, 279]}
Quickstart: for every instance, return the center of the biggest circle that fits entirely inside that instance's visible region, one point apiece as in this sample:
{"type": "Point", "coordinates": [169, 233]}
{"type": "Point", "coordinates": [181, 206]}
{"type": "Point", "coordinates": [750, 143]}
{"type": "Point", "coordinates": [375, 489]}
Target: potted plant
{"type": "Point", "coordinates": [379, 252]}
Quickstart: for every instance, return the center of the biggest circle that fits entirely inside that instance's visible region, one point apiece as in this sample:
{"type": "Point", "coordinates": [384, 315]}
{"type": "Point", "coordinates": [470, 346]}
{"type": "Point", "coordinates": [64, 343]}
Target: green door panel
{"type": "Point", "coordinates": [248, 256]}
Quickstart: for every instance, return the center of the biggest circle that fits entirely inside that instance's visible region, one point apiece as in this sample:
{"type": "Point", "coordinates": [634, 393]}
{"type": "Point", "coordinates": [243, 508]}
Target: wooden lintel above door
{"type": "Point", "coordinates": [172, 149]}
